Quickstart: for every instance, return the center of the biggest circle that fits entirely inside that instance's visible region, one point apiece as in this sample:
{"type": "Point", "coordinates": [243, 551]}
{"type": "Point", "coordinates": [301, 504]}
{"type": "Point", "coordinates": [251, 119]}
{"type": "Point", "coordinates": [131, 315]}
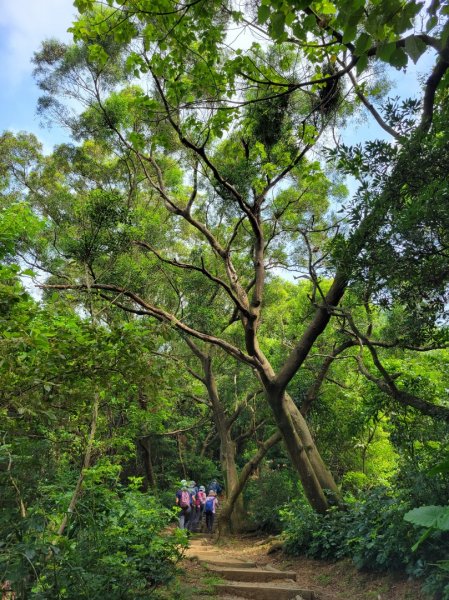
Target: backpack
{"type": "Point", "coordinates": [185, 499]}
{"type": "Point", "coordinates": [201, 498]}
{"type": "Point", "coordinates": [209, 508]}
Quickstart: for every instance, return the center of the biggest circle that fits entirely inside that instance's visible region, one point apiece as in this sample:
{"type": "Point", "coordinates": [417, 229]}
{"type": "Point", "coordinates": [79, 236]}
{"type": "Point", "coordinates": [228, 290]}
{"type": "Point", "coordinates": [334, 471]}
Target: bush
{"type": "Point", "coordinates": [371, 531]}
{"type": "Point", "coordinates": [265, 496]}
{"type": "Point", "coordinates": [117, 547]}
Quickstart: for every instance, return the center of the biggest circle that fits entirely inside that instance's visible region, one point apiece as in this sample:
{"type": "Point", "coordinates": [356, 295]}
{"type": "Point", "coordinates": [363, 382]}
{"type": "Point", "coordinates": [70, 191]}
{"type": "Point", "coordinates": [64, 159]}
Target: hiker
{"type": "Point", "coordinates": [192, 487]}
{"type": "Point", "coordinates": [209, 509]}
{"type": "Point", "coordinates": [184, 500]}
{"type": "Point", "coordinates": [214, 486]}
{"type": "Point", "coordinates": [195, 513]}
{"type": "Point", "coordinates": [200, 502]}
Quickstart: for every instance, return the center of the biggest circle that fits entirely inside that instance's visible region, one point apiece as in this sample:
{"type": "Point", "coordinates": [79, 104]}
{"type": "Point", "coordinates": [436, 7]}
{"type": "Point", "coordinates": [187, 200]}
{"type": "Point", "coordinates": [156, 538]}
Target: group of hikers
{"type": "Point", "coordinates": [196, 501]}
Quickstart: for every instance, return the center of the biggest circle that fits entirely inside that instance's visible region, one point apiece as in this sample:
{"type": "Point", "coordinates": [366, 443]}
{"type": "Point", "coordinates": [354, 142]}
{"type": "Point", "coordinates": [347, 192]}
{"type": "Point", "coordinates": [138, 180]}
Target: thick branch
{"type": "Point", "coordinates": [187, 266]}
{"type": "Point", "coordinates": [160, 315]}
{"type": "Point", "coordinates": [432, 84]}
{"type": "Point", "coordinates": [388, 385]}
{"type": "Point", "coordinates": [313, 331]}
{"type": "Point", "coordinates": [389, 388]}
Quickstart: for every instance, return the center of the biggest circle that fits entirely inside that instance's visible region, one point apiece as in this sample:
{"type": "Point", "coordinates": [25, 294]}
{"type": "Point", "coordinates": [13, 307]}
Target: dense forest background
{"type": "Point", "coordinates": [189, 290]}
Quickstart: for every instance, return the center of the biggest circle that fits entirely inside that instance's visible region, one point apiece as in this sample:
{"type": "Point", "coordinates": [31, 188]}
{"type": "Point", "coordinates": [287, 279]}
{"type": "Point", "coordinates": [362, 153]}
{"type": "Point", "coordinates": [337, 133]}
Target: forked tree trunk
{"type": "Point", "coordinates": [235, 494]}
{"type": "Point", "coordinates": [323, 474]}
{"type": "Point", "coordinates": [316, 479]}
{"type": "Point", "coordinates": [296, 448]}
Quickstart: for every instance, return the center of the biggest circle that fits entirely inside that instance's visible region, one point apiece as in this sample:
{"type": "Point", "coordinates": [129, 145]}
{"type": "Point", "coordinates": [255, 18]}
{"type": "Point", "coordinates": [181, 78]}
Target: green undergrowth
{"type": "Point", "coordinates": [119, 543]}
{"type": "Point", "coordinates": [371, 531]}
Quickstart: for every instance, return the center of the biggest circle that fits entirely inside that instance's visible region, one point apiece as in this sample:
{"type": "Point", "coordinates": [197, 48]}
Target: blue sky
{"type": "Point", "coordinates": [23, 25]}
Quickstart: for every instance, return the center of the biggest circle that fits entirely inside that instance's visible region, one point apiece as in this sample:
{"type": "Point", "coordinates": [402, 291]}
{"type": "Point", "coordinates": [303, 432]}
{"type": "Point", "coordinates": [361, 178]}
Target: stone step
{"type": "Point", "coordinates": [264, 591]}
{"type": "Point", "coordinates": [251, 575]}
{"type": "Point", "coordinates": [231, 563]}
{"type": "Point", "coordinates": [198, 543]}
{"type": "Point", "coordinates": [203, 553]}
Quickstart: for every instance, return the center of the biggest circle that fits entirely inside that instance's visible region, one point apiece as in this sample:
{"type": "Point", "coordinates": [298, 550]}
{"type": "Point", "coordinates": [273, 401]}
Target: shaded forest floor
{"type": "Point", "coordinates": [329, 580]}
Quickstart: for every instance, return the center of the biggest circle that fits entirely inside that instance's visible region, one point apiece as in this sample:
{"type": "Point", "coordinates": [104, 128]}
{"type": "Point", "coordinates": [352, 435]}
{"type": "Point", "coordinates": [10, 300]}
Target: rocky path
{"type": "Point", "coordinates": [245, 579]}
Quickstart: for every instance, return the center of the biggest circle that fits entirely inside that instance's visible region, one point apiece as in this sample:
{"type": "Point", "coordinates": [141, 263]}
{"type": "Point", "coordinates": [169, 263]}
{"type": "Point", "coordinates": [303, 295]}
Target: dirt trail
{"type": "Point", "coordinates": [241, 568]}
{"type": "Point", "coordinates": [242, 578]}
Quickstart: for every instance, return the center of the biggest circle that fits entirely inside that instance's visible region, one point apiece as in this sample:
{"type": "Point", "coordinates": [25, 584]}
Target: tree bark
{"type": "Point", "coordinates": [227, 445]}
{"type": "Point", "coordinates": [284, 414]}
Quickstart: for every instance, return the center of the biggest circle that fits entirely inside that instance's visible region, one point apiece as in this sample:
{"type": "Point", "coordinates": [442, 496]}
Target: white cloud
{"type": "Point", "coordinates": [24, 24]}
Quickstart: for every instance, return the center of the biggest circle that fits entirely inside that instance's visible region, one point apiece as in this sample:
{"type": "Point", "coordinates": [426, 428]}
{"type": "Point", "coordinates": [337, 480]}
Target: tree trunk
{"type": "Point", "coordinates": [86, 465]}
{"type": "Point", "coordinates": [323, 474]}
{"type": "Point", "coordinates": [284, 414]}
{"type": "Point", "coordinates": [316, 479]}
{"type": "Point", "coordinates": [235, 494]}
{"type": "Point", "coordinates": [227, 448]}
{"type": "Point", "coordinates": [145, 444]}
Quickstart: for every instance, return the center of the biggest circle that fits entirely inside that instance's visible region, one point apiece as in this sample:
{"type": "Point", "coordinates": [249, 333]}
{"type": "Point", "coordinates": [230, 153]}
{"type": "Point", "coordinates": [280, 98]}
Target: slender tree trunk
{"type": "Point", "coordinates": [145, 444]}
{"type": "Point", "coordinates": [86, 465]}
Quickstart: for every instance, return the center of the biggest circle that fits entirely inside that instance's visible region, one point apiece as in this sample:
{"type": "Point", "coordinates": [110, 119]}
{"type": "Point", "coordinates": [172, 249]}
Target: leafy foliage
{"type": "Point", "coordinates": [116, 545]}
{"type": "Point", "coordinates": [371, 531]}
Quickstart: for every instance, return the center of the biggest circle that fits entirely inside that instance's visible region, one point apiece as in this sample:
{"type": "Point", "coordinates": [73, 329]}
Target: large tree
{"type": "Point", "coordinates": [240, 207]}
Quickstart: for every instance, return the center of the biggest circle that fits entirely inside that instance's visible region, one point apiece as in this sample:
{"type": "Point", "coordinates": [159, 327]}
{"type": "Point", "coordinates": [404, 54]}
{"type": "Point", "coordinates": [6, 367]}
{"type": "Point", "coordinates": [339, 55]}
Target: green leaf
{"type": "Point", "coordinates": [278, 24]}
{"type": "Point", "coordinates": [442, 467]}
{"type": "Point", "coordinates": [83, 5]}
{"type": "Point", "coordinates": [137, 140]}
{"type": "Point", "coordinates": [362, 63]}
{"type": "Point", "coordinates": [436, 517]}
{"type": "Point", "coordinates": [327, 8]}
{"type": "Point", "coordinates": [97, 54]}
{"type": "Point", "coordinates": [309, 22]}
{"type": "Point", "coordinates": [415, 47]}
{"type": "Point", "coordinates": [431, 23]}
{"type": "Point", "coordinates": [398, 58]}
{"type": "Point", "coordinates": [349, 33]}
{"type": "Point", "coordinates": [385, 51]}
{"type": "Point", "coordinates": [263, 14]}
{"type": "Point", "coordinates": [364, 41]}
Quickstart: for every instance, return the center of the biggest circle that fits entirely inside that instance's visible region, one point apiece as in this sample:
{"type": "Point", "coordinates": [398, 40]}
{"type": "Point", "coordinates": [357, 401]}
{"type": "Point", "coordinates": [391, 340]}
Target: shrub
{"type": "Point", "coordinates": [118, 546]}
{"type": "Point", "coordinates": [371, 531]}
{"type": "Point", "coordinates": [266, 495]}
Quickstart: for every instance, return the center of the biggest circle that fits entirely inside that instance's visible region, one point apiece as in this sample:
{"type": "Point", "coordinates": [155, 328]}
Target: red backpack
{"type": "Point", "coordinates": [200, 498]}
